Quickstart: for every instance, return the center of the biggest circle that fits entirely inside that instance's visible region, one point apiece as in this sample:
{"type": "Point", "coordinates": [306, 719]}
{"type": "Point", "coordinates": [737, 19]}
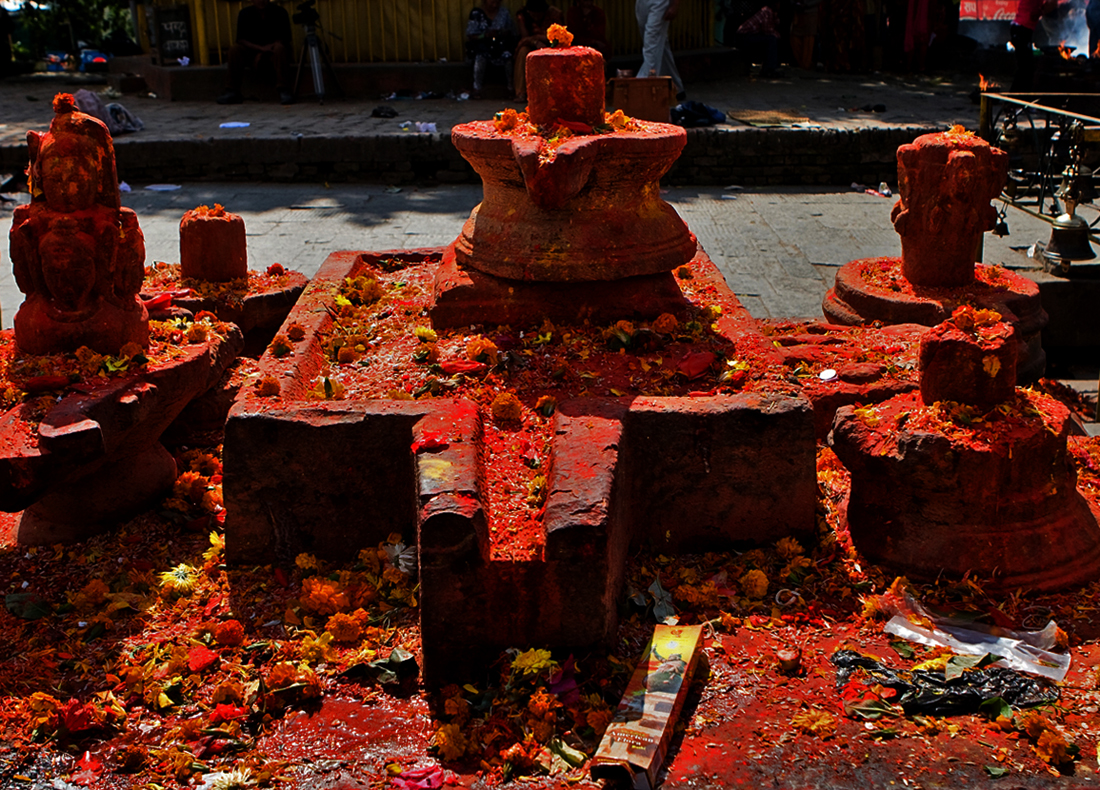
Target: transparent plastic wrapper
{"type": "Point", "coordinates": [1025, 651]}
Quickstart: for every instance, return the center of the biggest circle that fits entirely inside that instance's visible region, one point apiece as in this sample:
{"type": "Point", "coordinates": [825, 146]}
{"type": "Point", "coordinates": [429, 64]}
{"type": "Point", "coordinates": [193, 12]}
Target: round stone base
{"type": "Point", "coordinates": [999, 499]}
{"type": "Point", "coordinates": [873, 289]}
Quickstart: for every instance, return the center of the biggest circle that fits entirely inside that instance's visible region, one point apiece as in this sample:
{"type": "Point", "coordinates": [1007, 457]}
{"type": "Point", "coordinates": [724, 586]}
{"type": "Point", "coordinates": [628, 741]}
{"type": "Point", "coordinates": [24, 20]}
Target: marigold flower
{"type": "Point", "coordinates": [229, 633]}
{"type": "Point", "coordinates": [559, 36]}
{"type": "Point", "coordinates": [230, 691]}
{"type": "Point", "coordinates": [425, 334]}
{"type": "Point", "coordinates": [450, 742]}
{"type": "Point", "coordinates": [344, 628]}
{"type": "Point", "coordinates": [296, 332]}
{"type": "Point", "coordinates": [217, 546]}
{"type": "Point", "coordinates": [481, 349]}
{"type": "Point", "coordinates": [197, 333]}
{"type": "Point", "coordinates": [322, 596]}
{"type": "Point", "coordinates": [665, 324]}
{"type": "Point", "coordinates": [268, 387]}
{"type": "Point", "coordinates": [533, 662]}
{"type": "Point", "coordinates": [506, 407]}
{"type": "Point", "coordinates": [754, 584]}
{"type": "Point", "coordinates": [280, 346]}
{"type": "Point", "coordinates": [307, 562]}
{"type": "Point", "coordinates": [599, 719]}
{"type": "Point", "coordinates": [94, 593]}
{"type": "Point", "coordinates": [788, 547]}
{"type": "Point", "coordinates": [346, 355]}
{"type": "Point", "coordinates": [1052, 748]}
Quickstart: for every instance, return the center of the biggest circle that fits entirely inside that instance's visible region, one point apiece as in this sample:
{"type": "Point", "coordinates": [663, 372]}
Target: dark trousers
{"type": "Point", "coordinates": [1021, 39]}
{"type": "Point", "coordinates": [241, 58]}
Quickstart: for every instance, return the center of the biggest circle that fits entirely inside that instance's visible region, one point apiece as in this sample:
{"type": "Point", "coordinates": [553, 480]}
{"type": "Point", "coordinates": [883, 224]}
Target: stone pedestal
{"type": "Point", "coordinates": [970, 475]}
{"type": "Point", "coordinates": [212, 245]}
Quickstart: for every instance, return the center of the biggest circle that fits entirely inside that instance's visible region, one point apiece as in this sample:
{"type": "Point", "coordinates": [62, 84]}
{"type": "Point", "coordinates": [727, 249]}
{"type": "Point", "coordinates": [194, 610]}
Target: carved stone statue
{"type": "Point", "coordinates": [76, 254]}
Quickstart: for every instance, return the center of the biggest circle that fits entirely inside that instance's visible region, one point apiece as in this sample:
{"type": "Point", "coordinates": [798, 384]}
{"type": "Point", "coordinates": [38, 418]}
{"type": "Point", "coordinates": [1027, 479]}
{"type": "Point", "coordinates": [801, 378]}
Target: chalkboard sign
{"type": "Point", "coordinates": [172, 30]}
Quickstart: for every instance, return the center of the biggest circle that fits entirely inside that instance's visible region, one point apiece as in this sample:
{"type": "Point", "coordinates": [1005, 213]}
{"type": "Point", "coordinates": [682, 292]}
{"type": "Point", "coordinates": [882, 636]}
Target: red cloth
{"type": "Point", "coordinates": [1028, 13]}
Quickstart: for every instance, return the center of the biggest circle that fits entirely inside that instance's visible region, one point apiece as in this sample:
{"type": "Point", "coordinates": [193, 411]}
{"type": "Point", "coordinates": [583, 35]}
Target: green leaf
{"type": "Point", "coordinates": [903, 648]}
{"type": "Point", "coordinates": [869, 709]}
{"type": "Point", "coordinates": [567, 752]}
{"type": "Point", "coordinates": [994, 708]}
{"type": "Point", "coordinates": [27, 606]}
{"type": "Point", "coordinates": [662, 602]}
{"type": "Point", "coordinates": [996, 771]}
{"type": "Point", "coordinates": [956, 665]}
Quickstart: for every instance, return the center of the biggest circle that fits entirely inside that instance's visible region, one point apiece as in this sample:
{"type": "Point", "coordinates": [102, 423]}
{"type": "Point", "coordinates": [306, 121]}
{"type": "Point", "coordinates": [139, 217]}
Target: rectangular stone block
{"type": "Point", "coordinates": [711, 473]}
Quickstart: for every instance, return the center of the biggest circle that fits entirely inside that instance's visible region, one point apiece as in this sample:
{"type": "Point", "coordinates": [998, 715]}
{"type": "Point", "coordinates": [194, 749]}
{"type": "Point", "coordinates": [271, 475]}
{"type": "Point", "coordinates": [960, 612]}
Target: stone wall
{"type": "Point", "coordinates": [713, 157]}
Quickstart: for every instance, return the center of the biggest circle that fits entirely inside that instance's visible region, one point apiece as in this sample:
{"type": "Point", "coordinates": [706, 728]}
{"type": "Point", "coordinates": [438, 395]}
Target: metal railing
{"type": "Point", "coordinates": [396, 31]}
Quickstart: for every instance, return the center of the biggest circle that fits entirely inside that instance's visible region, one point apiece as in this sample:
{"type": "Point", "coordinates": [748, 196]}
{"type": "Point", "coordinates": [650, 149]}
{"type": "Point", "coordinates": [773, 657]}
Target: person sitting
{"type": "Point", "coordinates": [490, 37]}
{"type": "Point", "coordinates": [263, 40]}
{"type": "Point", "coordinates": [534, 20]}
{"type": "Point", "coordinates": [759, 34]}
{"type": "Point", "coordinates": [588, 24]}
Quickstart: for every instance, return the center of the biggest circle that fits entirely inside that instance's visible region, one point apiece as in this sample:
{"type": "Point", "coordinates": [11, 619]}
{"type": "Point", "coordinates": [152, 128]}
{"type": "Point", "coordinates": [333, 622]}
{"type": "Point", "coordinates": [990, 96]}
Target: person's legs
{"type": "Point", "coordinates": [654, 30]}
{"type": "Point", "coordinates": [239, 59]}
{"type": "Point", "coordinates": [280, 59]}
{"type": "Point", "coordinates": [481, 64]}
{"type": "Point", "coordinates": [668, 65]}
{"type": "Point", "coordinates": [1021, 39]}
{"type": "Point", "coordinates": [520, 75]}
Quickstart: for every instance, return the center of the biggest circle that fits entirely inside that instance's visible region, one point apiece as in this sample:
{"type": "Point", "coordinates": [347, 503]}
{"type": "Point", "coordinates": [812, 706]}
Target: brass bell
{"type": "Point", "coordinates": [1077, 184]}
{"type": "Point", "coordinates": [1069, 241]}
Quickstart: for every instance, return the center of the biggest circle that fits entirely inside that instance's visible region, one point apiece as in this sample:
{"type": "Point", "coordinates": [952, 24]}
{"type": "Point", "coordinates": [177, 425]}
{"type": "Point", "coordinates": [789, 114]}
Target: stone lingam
{"type": "Point", "coordinates": [213, 275]}
{"type": "Point", "coordinates": [971, 474]}
{"type": "Point", "coordinates": [412, 391]}
{"type": "Point", "coordinates": [571, 224]}
{"type": "Point", "coordinates": [88, 387]}
{"type": "Point", "coordinates": [946, 181]}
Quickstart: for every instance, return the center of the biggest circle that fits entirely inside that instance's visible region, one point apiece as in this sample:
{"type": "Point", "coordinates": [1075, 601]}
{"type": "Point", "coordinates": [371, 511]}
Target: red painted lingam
{"type": "Point", "coordinates": [946, 181]}
{"type": "Point", "coordinates": [76, 253]}
{"type": "Point", "coordinates": [94, 458]}
{"type": "Point", "coordinates": [571, 203]}
{"type": "Point", "coordinates": [971, 474]}
{"type": "Point", "coordinates": [213, 276]}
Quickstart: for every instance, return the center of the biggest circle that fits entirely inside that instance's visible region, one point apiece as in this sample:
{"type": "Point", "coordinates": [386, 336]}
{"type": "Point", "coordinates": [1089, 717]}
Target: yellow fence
{"type": "Point", "coordinates": [388, 31]}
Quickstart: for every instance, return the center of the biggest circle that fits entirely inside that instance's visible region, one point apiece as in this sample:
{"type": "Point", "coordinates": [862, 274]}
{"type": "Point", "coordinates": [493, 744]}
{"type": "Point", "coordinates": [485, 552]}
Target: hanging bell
{"type": "Point", "coordinates": [1069, 241]}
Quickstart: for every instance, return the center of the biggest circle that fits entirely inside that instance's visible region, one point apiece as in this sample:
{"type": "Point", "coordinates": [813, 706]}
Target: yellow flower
{"type": "Point", "coordinates": [307, 562]}
{"type": "Point", "coordinates": [533, 661]}
{"type": "Point", "coordinates": [754, 584]}
{"type": "Point", "coordinates": [815, 722]}
{"type": "Point", "coordinates": [217, 546]}
{"type": "Point", "coordinates": [181, 580]}
{"type": "Point", "coordinates": [450, 742]}
{"type": "Point", "coordinates": [317, 648]}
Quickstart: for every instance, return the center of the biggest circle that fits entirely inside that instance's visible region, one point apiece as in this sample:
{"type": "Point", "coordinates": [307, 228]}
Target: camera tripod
{"type": "Point", "coordinates": [314, 47]}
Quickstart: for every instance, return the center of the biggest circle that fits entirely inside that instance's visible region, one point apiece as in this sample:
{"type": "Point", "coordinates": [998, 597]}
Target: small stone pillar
{"type": "Point", "coordinates": [212, 245]}
{"type": "Point", "coordinates": [946, 181]}
{"type": "Point", "coordinates": [969, 358]}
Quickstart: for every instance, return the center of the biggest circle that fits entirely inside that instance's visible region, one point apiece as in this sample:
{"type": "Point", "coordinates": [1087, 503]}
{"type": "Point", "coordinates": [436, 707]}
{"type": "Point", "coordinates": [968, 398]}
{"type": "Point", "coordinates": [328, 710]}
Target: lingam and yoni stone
{"type": "Point", "coordinates": [213, 245]}
{"type": "Point", "coordinates": [946, 181]}
{"type": "Point", "coordinates": [76, 253]}
{"type": "Point", "coordinates": [588, 209]}
{"type": "Point", "coordinates": [970, 474]}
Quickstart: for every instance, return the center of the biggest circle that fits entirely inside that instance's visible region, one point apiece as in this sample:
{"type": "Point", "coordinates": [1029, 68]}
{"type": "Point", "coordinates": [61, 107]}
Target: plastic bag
{"type": "Point", "coordinates": [929, 692]}
{"type": "Point", "coordinates": [1026, 651]}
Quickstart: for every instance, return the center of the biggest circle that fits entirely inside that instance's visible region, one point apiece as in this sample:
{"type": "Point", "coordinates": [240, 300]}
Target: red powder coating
{"type": "Point", "coordinates": [212, 245]}
{"type": "Point", "coordinates": [580, 71]}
